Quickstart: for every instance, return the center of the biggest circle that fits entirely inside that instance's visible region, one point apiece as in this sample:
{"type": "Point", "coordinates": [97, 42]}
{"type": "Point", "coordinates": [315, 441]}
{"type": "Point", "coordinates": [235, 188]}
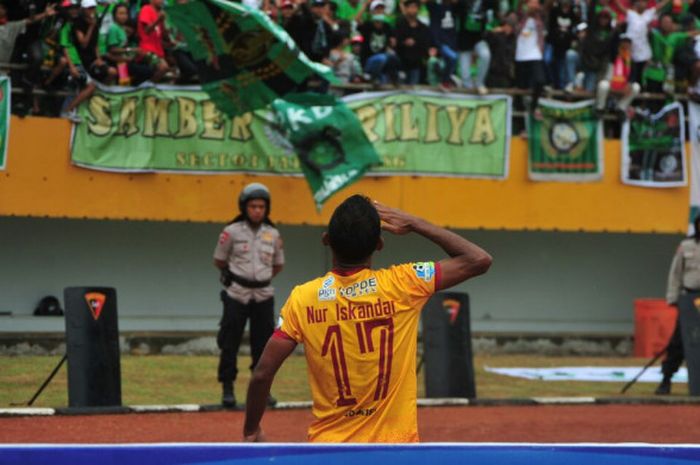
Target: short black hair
{"type": "Point", "coordinates": [354, 230]}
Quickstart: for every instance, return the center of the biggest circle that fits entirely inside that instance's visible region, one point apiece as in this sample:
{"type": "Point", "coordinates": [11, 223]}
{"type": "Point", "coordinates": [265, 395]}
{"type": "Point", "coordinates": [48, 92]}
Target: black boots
{"type": "Point", "coordinates": [664, 388]}
{"type": "Point", "coordinates": [228, 398]}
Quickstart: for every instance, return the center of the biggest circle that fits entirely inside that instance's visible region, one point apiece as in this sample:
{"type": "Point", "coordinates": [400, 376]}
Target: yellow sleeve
{"type": "Point", "coordinates": [418, 279]}
{"type": "Point", "coordinates": [289, 318]}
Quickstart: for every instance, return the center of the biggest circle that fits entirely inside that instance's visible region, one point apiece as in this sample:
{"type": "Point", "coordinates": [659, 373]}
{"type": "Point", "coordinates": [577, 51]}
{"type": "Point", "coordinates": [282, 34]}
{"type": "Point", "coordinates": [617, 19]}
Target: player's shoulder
{"type": "Point", "coordinates": [310, 289]}
{"type": "Point", "coordinates": [424, 270]}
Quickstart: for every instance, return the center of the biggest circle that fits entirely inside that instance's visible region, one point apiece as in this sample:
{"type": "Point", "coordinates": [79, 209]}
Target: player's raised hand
{"type": "Point", "coordinates": [394, 220]}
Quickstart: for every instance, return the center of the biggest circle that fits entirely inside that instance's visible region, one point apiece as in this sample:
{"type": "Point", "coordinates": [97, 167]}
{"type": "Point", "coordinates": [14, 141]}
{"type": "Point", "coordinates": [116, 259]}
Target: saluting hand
{"type": "Point", "coordinates": [394, 220]}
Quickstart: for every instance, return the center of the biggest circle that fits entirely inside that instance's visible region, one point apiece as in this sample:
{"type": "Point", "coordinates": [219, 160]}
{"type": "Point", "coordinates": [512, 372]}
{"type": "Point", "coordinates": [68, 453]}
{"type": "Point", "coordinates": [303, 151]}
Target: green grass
{"type": "Point", "coordinates": [163, 379]}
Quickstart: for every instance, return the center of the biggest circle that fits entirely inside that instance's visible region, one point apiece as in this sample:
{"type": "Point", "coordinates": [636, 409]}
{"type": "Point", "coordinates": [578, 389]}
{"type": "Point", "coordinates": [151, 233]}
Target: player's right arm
{"type": "Point", "coordinates": [278, 348]}
{"type": "Point", "coordinates": [466, 258]}
{"type": "Point", "coordinates": [275, 353]}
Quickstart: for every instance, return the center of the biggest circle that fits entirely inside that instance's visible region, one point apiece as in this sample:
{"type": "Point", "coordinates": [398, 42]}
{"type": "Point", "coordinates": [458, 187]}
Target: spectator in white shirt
{"type": "Point", "coordinates": [638, 19]}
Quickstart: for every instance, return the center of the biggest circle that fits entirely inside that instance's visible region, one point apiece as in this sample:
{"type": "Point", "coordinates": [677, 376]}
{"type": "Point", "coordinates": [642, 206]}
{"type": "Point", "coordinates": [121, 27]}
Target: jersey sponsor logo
{"type": "Point", "coordinates": [360, 288]}
{"type": "Point", "coordinates": [326, 292]}
{"type": "Point", "coordinates": [424, 270]}
{"type": "Point", "coordinates": [95, 302]}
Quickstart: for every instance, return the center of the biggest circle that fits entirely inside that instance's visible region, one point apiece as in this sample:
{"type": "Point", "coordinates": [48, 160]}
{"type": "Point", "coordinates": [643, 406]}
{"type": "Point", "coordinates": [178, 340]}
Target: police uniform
{"type": "Point", "coordinates": [250, 255]}
{"type": "Point", "coordinates": [683, 277]}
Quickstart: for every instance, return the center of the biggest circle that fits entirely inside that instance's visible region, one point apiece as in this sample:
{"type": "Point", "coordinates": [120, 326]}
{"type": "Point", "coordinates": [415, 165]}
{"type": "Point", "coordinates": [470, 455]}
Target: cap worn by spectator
{"type": "Point", "coordinates": [358, 39]}
{"type": "Point", "coordinates": [376, 4]}
{"type": "Point", "coordinates": [410, 2]}
{"type": "Point", "coordinates": [286, 4]}
{"type": "Point", "coordinates": [581, 27]}
{"type": "Point", "coordinates": [318, 2]}
{"type": "Point", "coordinates": [88, 4]}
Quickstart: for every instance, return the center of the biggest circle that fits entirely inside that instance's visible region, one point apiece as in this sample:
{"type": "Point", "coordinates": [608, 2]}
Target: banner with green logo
{"type": "Point", "coordinates": [432, 133]}
{"type": "Point", "coordinates": [244, 59]}
{"type": "Point", "coordinates": [5, 89]}
{"type": "Point", "coordinates": [565, 142]}
{"type": "Point", "coordinates": [328, 139]}
{"type": "Point", "coordinates": [653, 148]}
{"type": "Point", "coordinates": [152, 128]}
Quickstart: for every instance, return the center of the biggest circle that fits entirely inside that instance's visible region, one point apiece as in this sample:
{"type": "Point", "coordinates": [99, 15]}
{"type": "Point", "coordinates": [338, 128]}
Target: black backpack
{"type": "Point", "coordinates": [48, 306]}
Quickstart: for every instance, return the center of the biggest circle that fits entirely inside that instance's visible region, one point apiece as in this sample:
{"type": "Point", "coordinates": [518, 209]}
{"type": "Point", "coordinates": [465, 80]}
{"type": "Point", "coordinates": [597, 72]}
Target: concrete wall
{"type": "Point", "coordinates": [540, 283]}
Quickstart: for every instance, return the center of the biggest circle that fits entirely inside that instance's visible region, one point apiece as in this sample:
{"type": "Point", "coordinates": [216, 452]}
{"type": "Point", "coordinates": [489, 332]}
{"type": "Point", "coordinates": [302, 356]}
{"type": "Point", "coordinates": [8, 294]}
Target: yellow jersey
{"type": "Point", "coordinates": [359, 331]}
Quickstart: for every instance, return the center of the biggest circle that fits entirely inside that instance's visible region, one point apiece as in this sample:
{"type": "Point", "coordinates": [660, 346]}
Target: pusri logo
{"type": "Point", "coordinates": [327, 292]}
{"type": "Point", "coordinates": [95, 302]}
{"type": "Point", "coordinates": [424, 270]}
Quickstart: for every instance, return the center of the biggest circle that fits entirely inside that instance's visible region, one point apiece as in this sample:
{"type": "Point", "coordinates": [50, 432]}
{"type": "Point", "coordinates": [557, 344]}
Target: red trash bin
{"type": "Point", "coordinates": [654, 322]}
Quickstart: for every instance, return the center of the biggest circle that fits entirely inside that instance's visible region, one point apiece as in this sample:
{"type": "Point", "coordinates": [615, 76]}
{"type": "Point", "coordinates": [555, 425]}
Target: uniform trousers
{"type": "Point", "coordinates": [674, 352]}
{"type": "Point", "coordinates": [233, 322]}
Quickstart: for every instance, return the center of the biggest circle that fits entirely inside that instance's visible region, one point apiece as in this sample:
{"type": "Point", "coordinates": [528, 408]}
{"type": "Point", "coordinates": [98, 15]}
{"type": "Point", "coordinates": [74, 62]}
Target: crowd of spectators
{"type": "Point", "coordinates": [592, 45]}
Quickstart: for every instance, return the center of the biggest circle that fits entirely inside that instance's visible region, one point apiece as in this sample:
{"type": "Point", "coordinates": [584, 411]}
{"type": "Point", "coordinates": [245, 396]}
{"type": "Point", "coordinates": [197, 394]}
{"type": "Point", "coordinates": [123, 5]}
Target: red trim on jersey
{"type": "Point", "coordinates": [438, 276]}
{"type": "Point", "coordinates": [279, 334]}
{"type": "Point", "coordinates": [349, 271]}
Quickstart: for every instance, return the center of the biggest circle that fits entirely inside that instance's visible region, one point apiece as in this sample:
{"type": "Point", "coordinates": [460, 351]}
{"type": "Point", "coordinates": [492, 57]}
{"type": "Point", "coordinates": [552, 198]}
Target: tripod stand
{"type": "Point", "coordinates": [44, 384]}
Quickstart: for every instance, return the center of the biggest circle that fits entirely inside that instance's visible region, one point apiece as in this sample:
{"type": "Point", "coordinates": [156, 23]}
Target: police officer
{"type": "Point", "coordinates": [683, 277]}
{"type": "Point", "coordinates": [249, 254]}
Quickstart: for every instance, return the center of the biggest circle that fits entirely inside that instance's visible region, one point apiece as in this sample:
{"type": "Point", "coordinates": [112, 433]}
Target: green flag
{"type": "Point", "coordinates": [244, 59]}
{"type": "Point", "coordinates": [4, 118]}
{"type": "Point", "coordinates": [329, 140]}
{"type": "Point", "coordinates": [653, 148]}
{"type": "Point", "coordinates": [565, 142]}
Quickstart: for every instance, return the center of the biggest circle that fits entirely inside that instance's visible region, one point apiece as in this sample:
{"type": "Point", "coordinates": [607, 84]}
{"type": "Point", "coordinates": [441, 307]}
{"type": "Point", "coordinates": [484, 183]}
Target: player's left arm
{"type": "Point", "coordinates": [275, 353]}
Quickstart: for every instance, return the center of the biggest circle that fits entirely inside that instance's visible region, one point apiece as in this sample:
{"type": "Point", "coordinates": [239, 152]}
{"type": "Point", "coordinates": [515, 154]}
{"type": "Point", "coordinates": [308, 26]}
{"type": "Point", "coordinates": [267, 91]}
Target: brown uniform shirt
{"type": "Point", "coordinates": [685, 270]}
{"type": "Point", "coordinates": [251, 254]}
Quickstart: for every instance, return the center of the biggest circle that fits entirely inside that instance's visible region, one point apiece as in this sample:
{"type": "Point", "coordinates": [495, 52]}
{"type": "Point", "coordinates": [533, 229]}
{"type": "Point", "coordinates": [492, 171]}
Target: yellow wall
{"type": "Point", "coordinates": [40, 181]}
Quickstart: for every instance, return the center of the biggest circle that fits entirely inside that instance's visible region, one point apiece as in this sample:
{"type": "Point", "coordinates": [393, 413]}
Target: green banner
{"type": "Point", "coordinates": [435, 133]}
{"type": "Point", "coordinates": [244, 59]}
{"type": "Point", "coordinates": [5, 88]}
{"type": "Point", "coordinates": [565, 142]}
{"type": "Point", "coordinates": [653, 148]}
{"type": "Point", "coordinates": [328, 139]}
{"type": "Point", "coordinates": [167, 129]}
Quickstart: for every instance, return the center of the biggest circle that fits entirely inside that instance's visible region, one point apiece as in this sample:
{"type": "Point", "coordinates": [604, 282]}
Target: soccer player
{"type": "Point", "coordinates": [359, 327]}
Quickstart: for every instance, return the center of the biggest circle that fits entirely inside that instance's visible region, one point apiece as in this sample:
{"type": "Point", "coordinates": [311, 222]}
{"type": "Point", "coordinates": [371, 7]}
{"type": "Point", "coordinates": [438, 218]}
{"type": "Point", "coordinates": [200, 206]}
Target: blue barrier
{"type": "Point", "coordinates": [307, 454]}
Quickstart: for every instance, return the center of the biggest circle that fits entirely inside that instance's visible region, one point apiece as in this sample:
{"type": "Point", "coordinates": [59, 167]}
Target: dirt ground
{"type": "Point", "coordinates": [672, 424]}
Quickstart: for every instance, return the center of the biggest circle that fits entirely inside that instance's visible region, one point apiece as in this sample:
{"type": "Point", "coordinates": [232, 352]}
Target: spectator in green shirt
{"type": "Point", "coordinates": [659, 75]}
{"type": "Point", "coordinates": [72, 9]}
{"type": "Point", "coordinates": [351, 11]}
{"type": "Point", "coordinates": [120, 51]}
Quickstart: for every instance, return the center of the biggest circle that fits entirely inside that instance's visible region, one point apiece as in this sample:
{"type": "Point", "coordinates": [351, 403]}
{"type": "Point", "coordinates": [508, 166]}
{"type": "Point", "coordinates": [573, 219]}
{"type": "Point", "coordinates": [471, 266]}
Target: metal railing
{"type": "Point", "coordinates": [363, 87]}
